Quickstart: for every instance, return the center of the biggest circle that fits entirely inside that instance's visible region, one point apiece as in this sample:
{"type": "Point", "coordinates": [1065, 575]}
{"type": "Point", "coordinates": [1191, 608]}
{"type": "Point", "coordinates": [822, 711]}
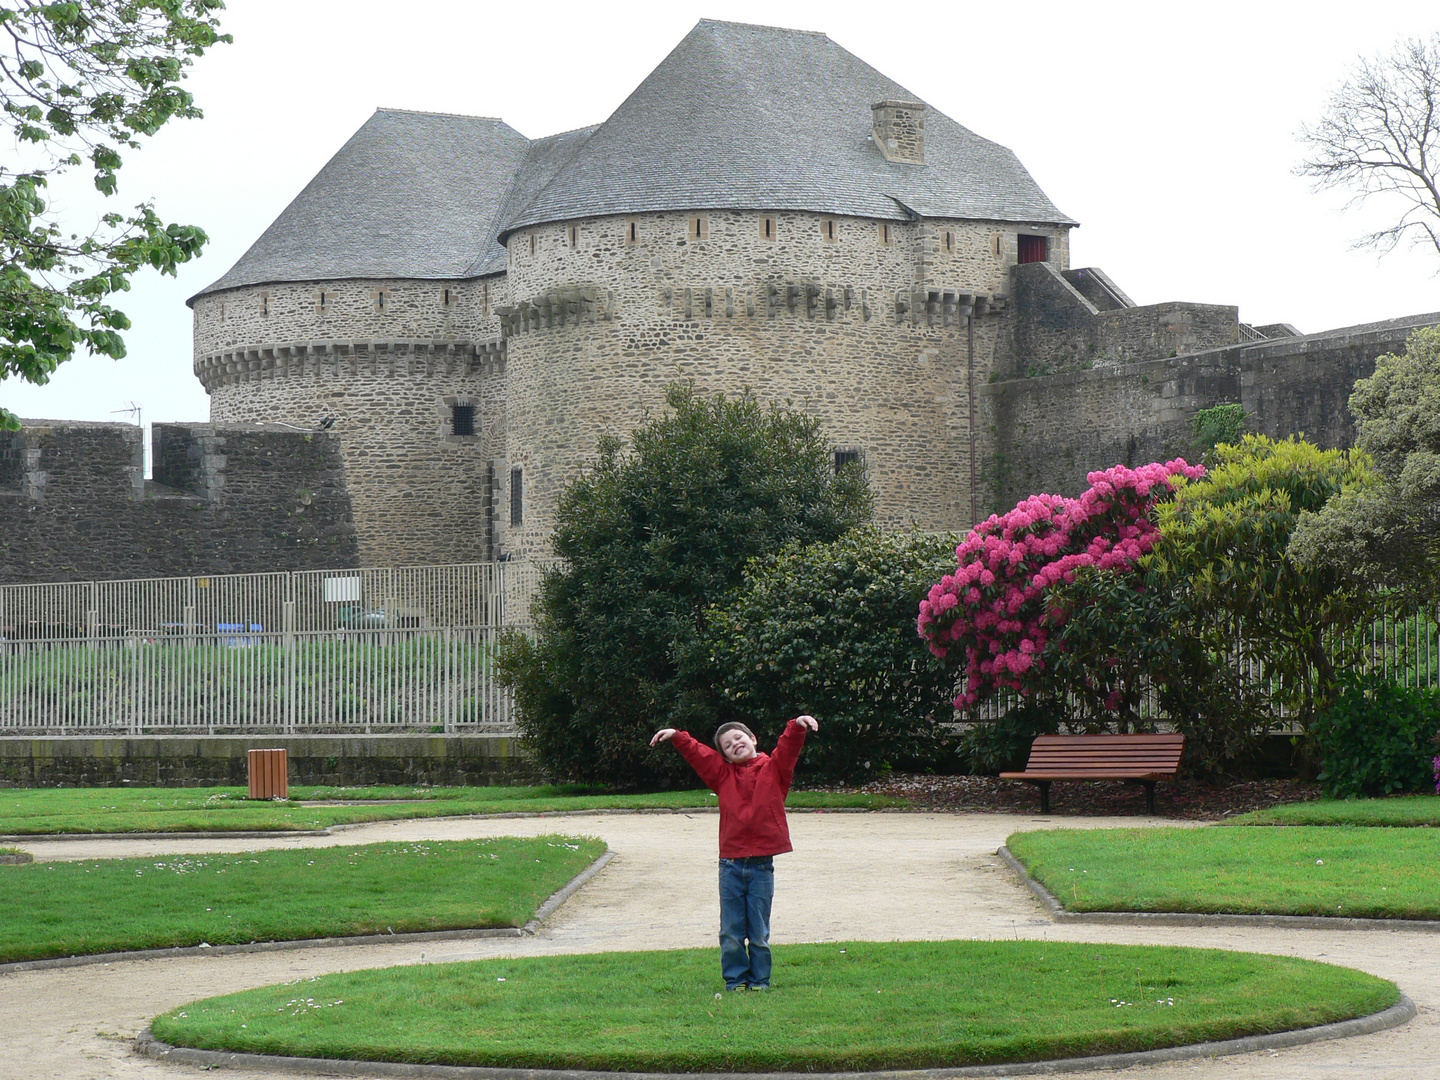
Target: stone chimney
{"type": "Point", "coordinates": [899, 130]}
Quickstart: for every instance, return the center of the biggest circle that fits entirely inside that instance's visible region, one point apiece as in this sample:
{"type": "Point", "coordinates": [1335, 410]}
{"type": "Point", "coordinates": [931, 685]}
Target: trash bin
{"type": "Point", "coordinates": [269, 774]}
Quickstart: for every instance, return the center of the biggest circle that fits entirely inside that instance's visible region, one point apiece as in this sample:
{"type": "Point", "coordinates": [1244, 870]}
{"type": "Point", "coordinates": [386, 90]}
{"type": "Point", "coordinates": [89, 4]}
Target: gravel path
{"type": "Point", "coordinates": [879, 877]}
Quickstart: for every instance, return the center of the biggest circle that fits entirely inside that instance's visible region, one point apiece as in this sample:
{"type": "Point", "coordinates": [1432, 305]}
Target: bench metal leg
{"type": "Point", "coordinates": [1044, 786]}
{"type": "Point", "coordinates": [1149, 796]}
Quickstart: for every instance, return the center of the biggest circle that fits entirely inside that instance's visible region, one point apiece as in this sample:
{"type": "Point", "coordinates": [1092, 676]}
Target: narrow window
{"type": "Point", "coordinates": [884, 232]}
{"type": "Point", "coordinates": [532, 243]}
{"type": "Point", "coordinates": [222, 310]}
{"type": "Point", "coordinates": [322, 302]}
{"type": "Point", "coordinates": [265, 304]}
{"type": "Point", "coordinates": [767, 227]}
{"type": "Point", "coordinates": [632, 232]}
{"type": "Point", "coordinates": [462, 419]}
{"type": "Point", "coordinates": [517, 496]}
{"type": "Point", "coordinates": [949, 240]}
{"type": "Point", "coordinates": [1031, 248]}
{"type": "Point", "coordinates": [485, 298]}
{"type": "Point", "coordinates": [999, 244]}
{"type": "Point", "coordinates": [846, 457]}
{"type": "Point", "coordinates": [699, 228]}
{"type": "Point", "coordinates": [827, 229]}
{"type": "Point", "coordinates": [381, 297]}
{"type": "Point", "coordinates": [574, 236]}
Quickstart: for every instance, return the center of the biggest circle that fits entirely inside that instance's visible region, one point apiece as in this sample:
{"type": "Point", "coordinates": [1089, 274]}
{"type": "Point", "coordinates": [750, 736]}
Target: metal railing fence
{"type": "Point", "coordinates": [1400, 647]}
{"type": "Point", "coordinates": [369, 650]}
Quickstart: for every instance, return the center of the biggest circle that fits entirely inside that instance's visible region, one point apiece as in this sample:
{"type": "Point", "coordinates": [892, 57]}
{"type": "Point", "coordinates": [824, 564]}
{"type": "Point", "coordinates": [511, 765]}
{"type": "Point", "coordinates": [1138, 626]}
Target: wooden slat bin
{"type": "Point", "coordinates": [1143, 759]}
{"type": "Point", "coordinates": [269, 774]}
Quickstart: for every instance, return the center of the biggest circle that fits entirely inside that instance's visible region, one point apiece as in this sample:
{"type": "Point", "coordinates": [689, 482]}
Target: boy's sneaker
{"type": "Point", "coordinates": [758, 987]}
{"type": "Point", "coordinates": [741, 986]}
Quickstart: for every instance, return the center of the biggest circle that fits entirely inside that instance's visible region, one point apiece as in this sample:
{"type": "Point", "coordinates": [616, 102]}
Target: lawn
{"type": "Point", "coordinates": [36, 811]}
{"type": "Point", "coordinates": [1397, 810]}
{"type": "Point", "coordinates": [846, 1006]}
{"type": "Point", "coordinates": [111, 905]}
{"type": "Point", "coordinates": [1376, 873]}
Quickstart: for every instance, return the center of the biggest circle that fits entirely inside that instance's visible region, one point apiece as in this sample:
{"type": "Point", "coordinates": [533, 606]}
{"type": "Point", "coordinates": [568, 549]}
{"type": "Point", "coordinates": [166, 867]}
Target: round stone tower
{"type": "Point", "coordinates": [472, 310]}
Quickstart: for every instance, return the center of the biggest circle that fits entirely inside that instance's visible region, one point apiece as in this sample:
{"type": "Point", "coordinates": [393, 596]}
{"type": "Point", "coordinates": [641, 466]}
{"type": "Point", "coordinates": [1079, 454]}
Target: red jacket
{"type": "Point", "coordinates": [752, 796]}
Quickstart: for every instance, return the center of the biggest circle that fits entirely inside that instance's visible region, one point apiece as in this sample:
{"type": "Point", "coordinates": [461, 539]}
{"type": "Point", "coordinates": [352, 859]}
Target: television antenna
{"type": "Point", "coordinates": [135, 411]}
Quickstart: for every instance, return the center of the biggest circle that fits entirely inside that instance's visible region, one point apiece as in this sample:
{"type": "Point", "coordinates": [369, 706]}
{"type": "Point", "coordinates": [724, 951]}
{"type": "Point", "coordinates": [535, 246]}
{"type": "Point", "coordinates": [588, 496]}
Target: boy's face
{"type": "Point", "coordinates": [737, 746]}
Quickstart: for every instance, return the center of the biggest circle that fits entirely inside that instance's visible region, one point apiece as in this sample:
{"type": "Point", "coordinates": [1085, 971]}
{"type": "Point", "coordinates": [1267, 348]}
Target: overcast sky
{"type": "Point", "coordinates": [1169, 131]}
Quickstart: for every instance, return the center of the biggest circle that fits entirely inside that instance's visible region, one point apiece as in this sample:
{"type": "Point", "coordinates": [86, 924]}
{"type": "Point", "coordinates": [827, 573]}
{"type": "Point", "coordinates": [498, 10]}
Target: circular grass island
{"type": "Point", "coordinates": [838, 1007]}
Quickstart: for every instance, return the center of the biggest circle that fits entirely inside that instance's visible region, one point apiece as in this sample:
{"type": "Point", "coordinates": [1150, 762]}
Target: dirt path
{"type": "Point", "coordinates": [859, 876]}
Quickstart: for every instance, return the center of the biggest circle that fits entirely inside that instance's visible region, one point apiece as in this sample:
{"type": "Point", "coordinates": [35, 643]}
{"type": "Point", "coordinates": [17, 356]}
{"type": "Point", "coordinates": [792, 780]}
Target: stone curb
{"type": "Point", "coordinates": [544, 912]}
{"type": "Point", "coordinates": [1059, 913]}
{"type": "Point", "coordinates": [1394, 1016]}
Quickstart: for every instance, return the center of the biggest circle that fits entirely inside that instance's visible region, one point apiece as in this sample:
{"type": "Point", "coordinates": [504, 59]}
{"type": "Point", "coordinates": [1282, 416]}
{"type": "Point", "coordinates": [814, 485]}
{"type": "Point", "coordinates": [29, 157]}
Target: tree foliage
{"type": "Point", "coordinates": [80, 82]}
{"type": "Point", "coordinates": [828, 630]}
{"type": "Point", "coordinates": [1386, 530]}
{"type": "Point", "coordinates": [1288, 629]}
{"type": "Point", "coordinates": [993, 618]}
{"type": "Point", "coordinates": [1380, 135]}
{"type": "Point", "coordinates": [650, 540]}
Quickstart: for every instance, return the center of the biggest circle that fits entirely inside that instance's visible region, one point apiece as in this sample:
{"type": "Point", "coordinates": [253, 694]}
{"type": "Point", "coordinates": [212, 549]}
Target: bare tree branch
{"type": "Point", "coordinates": [1380, 135]}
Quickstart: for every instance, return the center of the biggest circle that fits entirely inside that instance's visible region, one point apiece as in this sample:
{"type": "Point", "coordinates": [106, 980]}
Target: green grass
{"type": "Point", "coordinates": [1343, 871]}
{"type": "Point", "coordinates": [110, 905]}
{"type": "Point", "coordinates": [34, 811]}
{"type": "Point", "coordinates": [11, 851]}
{"type": "Point", "coordinates": [1398, 810]}
{"type": "Point", "coordinates": [834, 1007]}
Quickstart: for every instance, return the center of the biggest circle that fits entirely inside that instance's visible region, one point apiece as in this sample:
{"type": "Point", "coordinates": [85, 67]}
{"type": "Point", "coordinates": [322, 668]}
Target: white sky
{"type": "Point", "coordinates": [1167, 130]}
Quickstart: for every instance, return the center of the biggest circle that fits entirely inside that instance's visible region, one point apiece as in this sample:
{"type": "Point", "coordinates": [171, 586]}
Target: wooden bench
{"type": "Point", "coordinates": [1141, 758]}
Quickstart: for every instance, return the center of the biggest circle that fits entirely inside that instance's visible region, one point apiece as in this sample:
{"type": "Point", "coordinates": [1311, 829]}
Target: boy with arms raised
{"type": "Point", "coordinates": [752, 787]}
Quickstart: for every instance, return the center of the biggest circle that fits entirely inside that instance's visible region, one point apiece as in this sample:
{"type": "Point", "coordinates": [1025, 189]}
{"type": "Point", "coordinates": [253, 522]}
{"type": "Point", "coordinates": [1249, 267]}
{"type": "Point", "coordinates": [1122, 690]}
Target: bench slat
{"type": "Point", "coordinates": [1146, 758]}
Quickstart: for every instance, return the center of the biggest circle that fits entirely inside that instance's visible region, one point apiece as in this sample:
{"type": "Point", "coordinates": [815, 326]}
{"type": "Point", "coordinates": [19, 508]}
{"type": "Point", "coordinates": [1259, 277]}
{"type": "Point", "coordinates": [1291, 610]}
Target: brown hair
{"type": "Point", "coordinates": [733, 725]}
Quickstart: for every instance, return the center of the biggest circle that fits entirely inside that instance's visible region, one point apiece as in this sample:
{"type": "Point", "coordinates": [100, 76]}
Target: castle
{"type": "Point", "coordinates": [466, 311]}
{"type": "Point", "coordinates": [471, 310]}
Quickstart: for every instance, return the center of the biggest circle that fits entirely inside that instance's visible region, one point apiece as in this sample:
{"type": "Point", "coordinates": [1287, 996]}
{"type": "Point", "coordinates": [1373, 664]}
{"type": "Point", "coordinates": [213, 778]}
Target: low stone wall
{"type": "Point", "coordinates": [208, 760]}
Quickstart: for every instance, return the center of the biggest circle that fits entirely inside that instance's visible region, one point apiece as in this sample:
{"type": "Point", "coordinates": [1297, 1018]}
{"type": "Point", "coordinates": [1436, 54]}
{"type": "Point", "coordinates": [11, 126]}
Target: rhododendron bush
{"type": "Point", "coordinates": [994, 618]}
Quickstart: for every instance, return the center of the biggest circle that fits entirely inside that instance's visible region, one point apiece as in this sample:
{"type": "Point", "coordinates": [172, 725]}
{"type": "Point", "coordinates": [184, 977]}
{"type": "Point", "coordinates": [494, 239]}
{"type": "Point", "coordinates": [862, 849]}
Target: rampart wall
{"type": "Point", "coordinates": [75, 506]}
{"type": "Point", "coordinates": [418, 489]}
{"type": "Point", "coordinates": [1058, 328]}
{"type": "Point", "coordinates": [1045, 434]}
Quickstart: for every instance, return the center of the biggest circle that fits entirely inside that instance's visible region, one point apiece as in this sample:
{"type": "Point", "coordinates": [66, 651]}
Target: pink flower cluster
{"type": "Point", "coordinates": [993, 607]}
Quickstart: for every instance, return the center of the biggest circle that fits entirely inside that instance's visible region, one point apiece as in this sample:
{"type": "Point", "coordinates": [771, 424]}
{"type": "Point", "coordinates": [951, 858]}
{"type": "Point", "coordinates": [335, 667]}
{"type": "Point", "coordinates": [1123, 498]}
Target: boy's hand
{"type": "Point", "coordinates": [665, 734]}
{"type": "Point", "coordinates": [808, 721]}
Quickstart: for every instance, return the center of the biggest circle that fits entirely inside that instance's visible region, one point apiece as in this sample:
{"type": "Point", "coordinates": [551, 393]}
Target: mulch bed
{"type": "Point", "coordinates": [1184, 799]}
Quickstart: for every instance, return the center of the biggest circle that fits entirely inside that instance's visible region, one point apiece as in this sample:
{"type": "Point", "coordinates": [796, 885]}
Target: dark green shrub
{"type": "Point", "coordinates": [829, 629]}
{"type": "Point", "coordinates": [1377, 739]}
{"type": "Point", "coordinates": [650, 539]}
{"type": "Point", "coordinates": [1004, 744]}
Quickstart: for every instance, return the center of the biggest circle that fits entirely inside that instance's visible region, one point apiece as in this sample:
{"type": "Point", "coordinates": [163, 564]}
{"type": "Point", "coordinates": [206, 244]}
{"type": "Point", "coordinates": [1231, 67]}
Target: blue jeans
{"type": "Point", "coordinates": [746, 888]}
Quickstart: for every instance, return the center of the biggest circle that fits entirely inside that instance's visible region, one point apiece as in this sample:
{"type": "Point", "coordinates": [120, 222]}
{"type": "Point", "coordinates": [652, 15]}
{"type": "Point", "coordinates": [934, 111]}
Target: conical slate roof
{"type": "Point", "coordinates": [736, 117]}
{"type": "Point", "coordinates": [410, 195]}
{"type": "Point", "coordinates": [755, 117]}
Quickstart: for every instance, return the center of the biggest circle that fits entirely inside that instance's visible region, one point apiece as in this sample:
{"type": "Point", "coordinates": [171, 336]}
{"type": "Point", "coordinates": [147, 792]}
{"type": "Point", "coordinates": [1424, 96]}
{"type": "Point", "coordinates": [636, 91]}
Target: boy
{"type": "Point", "coordinates": [752, 789]}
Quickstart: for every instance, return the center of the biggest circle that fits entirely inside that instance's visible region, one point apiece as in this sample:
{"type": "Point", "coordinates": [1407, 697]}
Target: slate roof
{"type": "Point", "coordinates": [736, 117]}
{"type": "Point", "coordinates": [410, 195]}
{"type": "Point", "coordinates": [756, 117]}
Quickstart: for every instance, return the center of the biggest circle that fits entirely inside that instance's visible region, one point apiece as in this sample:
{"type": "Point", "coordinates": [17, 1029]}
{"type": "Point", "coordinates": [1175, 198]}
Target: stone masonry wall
{"type": "Point", "coordinates": [209, 760]}
{"type": "Point", "coordinates": [1057, 329]}
{"type": "Point", "coordinates": [848, 319]}
{"type": "Point", "coordinates": [418, 490]}
{"type": "Point", "coordinates": [1045, 434]}
{"type": "Point", "coordinates": [353, 310]}
{"type": "Point", "coordinates": [74, 504]}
